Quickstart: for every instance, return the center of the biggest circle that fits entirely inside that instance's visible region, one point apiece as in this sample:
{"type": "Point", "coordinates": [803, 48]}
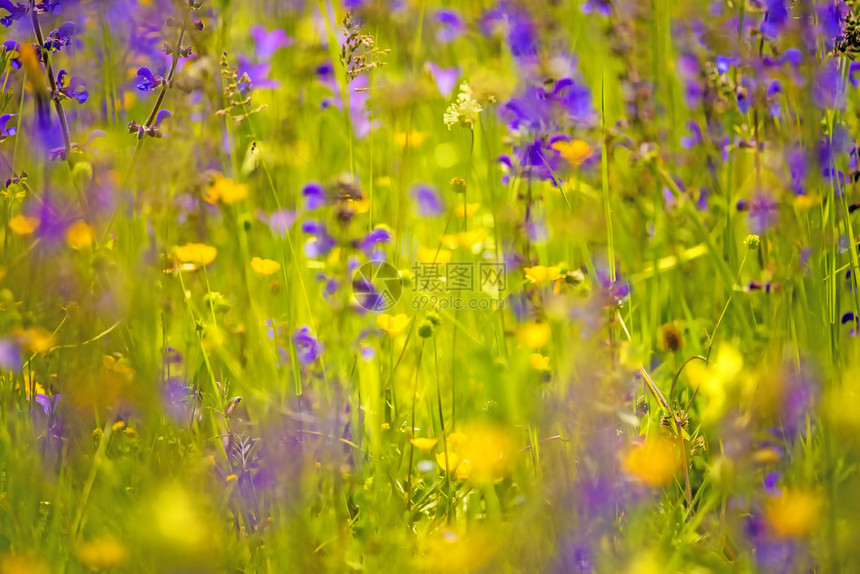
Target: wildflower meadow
{"type": "Point", "coordinates": [430, 286]}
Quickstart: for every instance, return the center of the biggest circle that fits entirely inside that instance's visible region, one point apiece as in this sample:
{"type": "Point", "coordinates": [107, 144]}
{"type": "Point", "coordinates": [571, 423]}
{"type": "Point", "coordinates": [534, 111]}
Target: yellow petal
{"type": "Point", "coordinates": [575, 151]}
{"type": "Point", "coordinates": [79, 235]}
{"type": "Point", "coordinates": [23, 225]}
{"type": "Point", "coordinates": [430, 255]}
{"type": "Point", "coordinates": [226, 191]}
{"type": "Point", "coordinates": [424, 443]}
{"type": "Point", "coordinates": [794, 513]}
{"type": "Point", "coordinates": [469, 209]}
{"type": "Point", "coordinates": [264, 266]}
{"type": "Point", "coordinates": [654, 462]}
{"type": "Point", "coordinates": [534, 335]}
{"type": "Point", "coordinates": [198, 253]}
{"type": "Point", "coordinates": [539, 362]}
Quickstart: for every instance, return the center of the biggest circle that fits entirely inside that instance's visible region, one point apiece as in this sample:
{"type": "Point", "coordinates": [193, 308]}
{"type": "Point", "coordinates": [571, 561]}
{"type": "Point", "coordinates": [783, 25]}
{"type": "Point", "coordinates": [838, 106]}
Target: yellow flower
{"type": "Point", "coordinates": [103, 553]}
{"type": "Point", "coordinates": [540, 274]}
{"type": "Point", "coordinates": [264, 266]}
{"type": "Point", "coordinates": [430, 255]}
{"type": "Point", "coordinates": [539, 362]}
{"type": "Point", "coordinates": [79, 235]}
{"type": "Point", "coordinates": [393, 325]}
{"type": "Point", "coordinates": [464, 238]}
{"type": "Point", "coordinates": [413, 138]}
{"type": "Point", "coordinates": [481, 454]}
{"type": "Point", "coordinates": [35, 339]}
{"type": "Point", "coordinates": [23, 225]}
{"type": "Point", "coordinates": [231, 478]}
{"type": "Point", "coordinates": [574, 151]}
{"type": "Point", "coordinates": [794, 513]}
{"type": "Point", "coordinates": [424, 443]}
{"type": "Point", "coordinates": [717, 380]}
{"type": "Point", "coordinates": [469, 209]}
{"type": "Point", "coordinates": [197, 253]}
{"type": "Point", "coordinates": [653, 462]}
{"type": "Point", "coordinates": [534, 335]}
{"type": "Point", "coordinates": [226, 191]}
{"type": "Point", "coordinates": [359, 205]}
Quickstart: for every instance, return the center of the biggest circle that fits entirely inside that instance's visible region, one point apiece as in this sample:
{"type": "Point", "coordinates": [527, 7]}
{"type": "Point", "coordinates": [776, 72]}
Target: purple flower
{"type": "Point", "coordinates": [369, 243]}
{"type": "Point", "coordinates": [308, 347]}
{"type": "Point", "coordinates": [321, 243]}
{"type": "Point", "coordinates": [266, 44]}
{"type": "Point", "coordinates": [695, 137]}
{"type": "Point", "coordinates": [446, 78]}
{"type": "Point", "coordinates": [792, 56]}
{"type": "Point", "coordinates": [16, 12]}
{"type": "Point", "coordinates": [775, 18]}
{"type": "Point", "coordinates": [428, 200]}
{"type": "Point", "coordinates": [762, 210]}
{"type": "Point", "coordinates": [602, 7]}
{"type": "Point", "coordinates": [724, 63]}
{"type": "Point", "coordinates": [73, 87]}
{"type": "Point", "coordinates": [48, 402]}
{"type": "Point", "coordinates": [450, 26]}
{"type": "Point", "coordinates": [543, 111]}
{"type": "Point", "coordinates": [315, 195]}
{"type": "Point", "coordinates": [10, 355]}
{"type": "Point", "coordinates": [60, 37]}
{"type": "Point", "coordinates": [358, 98]}
{"type": "Point", "coordinates": [830, 87]}
{"type": "Point", "coordinates": [147, 81]}
{"type": "Point", "coordinates": [5, 131]}
{"type": "Point", "coordinates": [13, 46]}
{"type": "Point", "coordinates": [281, 221]}
{"type": "Point", "coordinates": [512, 19]}
{"type": "Point", "coordinates": [691, 74]}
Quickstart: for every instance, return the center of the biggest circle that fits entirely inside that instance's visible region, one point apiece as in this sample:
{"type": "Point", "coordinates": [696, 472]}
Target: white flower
{"type": "Point", "coordinates": [464, 111]}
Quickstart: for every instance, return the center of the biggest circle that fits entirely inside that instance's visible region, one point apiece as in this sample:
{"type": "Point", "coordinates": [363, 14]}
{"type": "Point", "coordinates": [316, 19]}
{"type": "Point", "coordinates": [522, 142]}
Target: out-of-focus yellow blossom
{"type": "Point", "coordinates": [118, 426]}
{"type": "Point", "coordinates": [653, 462]}
{"type": "Point", "coordinates": [447, 551]}
{"type": "Point", "coordinates": [226, 191]}
{"type": "Point", "coordinates": [574, 151]}
{"type": "Point", "coordinates": [716, 380]}
{"type": "Point", "coordinates": [359, 205]}
{"type": "Point", "coordinates": [23, 225]}
{"type": "Point", "coordinates": [430, 255]}
{"type": "Point", "coordinates": [231, 478]}
{"type": "Point", "coordinates": [177, 524]}
{"type": "Point", "coordinates": [469, 209]}
{"type": "Point", "coordinates": [539, 362]}
{"type": "Point", "coordinates": [464, 238]}
{"type": "Point", "coordinates": [481, 453]}
{"type": "Point", "coordinates": [103, 553]}
{"type": "Point", "coordinates": [79, 235]}
{"type": "Point", "coordinates": [794, 513]}
{"type": "Point", "coordinates": [534, 335]}
{"type": "Point", "coordinates": [19, 564]}
{"type": "Point", "coordinates": [35, 339]}
{"type": "Point", "coordinates": [424, 443]}
{"type": "Point", "coordinates": [264, 267]}
{"type": "Point", "coordinates": [540, 274]}
{"type": "Point", "coordinates": [196, 253]}
{"type": "Point", "coordinates": [118, 368]}
{"type": "Point", "coordinates": [393, 325]}
{"type": "Point", "coordinates": [412, 139]}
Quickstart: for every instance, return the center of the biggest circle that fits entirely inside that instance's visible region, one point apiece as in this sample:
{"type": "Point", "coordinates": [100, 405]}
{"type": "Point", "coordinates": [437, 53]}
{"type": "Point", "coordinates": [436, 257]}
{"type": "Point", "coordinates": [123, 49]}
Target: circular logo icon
{"type": "Point", "coordinates": [376, 285]}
